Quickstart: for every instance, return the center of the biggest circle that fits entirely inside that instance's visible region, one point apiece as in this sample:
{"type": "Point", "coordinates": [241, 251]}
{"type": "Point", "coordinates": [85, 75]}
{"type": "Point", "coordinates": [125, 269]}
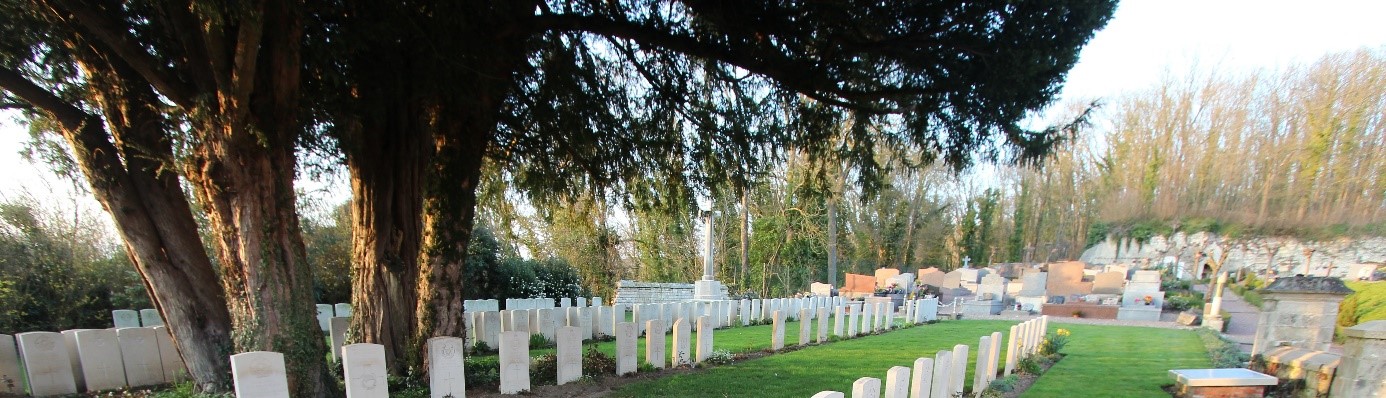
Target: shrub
{"type": "Point", "coordinates": [596, 363]}
{"type": "Point", "coordinates": [1184, 300]}
{"type": "Point", "coordinates": [543, 370]}
{"type": "Point", "coordinates": [482, 347]}
{"type": "Point", "coordinates": [539, 341]}
{"type": "Point", "coordinates": [1004, 384]}
{"type": "Point", "coordinates": [1028, 365]}
{"type": "Point", "coordinates": [482, 371]}
{"type": "Point", "coordinates": [1054, 342]}
{"type": "Point", "coordinates": [1223, 353]}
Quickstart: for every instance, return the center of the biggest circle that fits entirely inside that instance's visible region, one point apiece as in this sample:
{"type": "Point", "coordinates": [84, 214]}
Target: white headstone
{"type": "Point", "coordinates": [338, 328]}
{"type": "Point", "coordinates": [805, 327]}
{"type": "Point", "coordinates": [171, 361]}
{"type": "Point", "coordinates": [514, 362]}
{"type": "Point", "coordinates": [1011, 348]}
{"type": "Point", "coordinates": [342, 310]}
{"type": "Point", "coordinates": [585, 322]}
{"type": "Point", "coordinates": [777, 331]}
{"type": "Point", "coordinates": [921, 377]}
{"type": "Point", "coordinates": [822, 325]}
{"type": "Point", "coordinates": [705, 332]}
{"type": "Point", "coordinates": [625, 348]}
{"type": "Point", "coordinates": [546, 323]}
{"type": "Point", "coordinates": [259, 374]}
{"type": "Point", "coordinates": [897, 384]}
{"type": "Point", "coordinates": [149, 317]}
{"type": "Point", "coordinates": [125, 318]}
{"type": "Point", "coordinates": [839, 319]}
{"type": "Point", "coordinates": [324, 316]}
{"type": "Point", "coordinates": [569, 354]}
{"type": "Point", "coordinates": [70, 337]}
{"type": "Point", "coordinates": [491, 329]}
{"type": "Point", "coordinates": [828, 394]}
{"type": "Point", "coordinates": [363, 371]}
{"type": "Point", "coordinates": [979, 371]}
{"type": "Point", "coordinates": [866, 387]}
{"type": "Point", "coordinates": [993, 356]}
{"type": "Point", "coordinates": [943, 361]}
{"type": "Point", "coordinates": [683, 353]}
{"type": "Point", "coordinates": [519, 321]}
{"type": "Point", "coordinates": [596, 301]}
{"type": "Point", "coordinates": [654, 343]}
{"type": "Point", "coordinates": [11, 382]}
{"type": "Point", "coordinates": [102, 367]}
{"type": "Point", "coordinates": [581, 301]}
{"type": "Point", "coordinates": [46, 363]}
{"type": "Point", "coordinates": [139, 349]}
{"type": "Point", "coordinates": [446, 369]}
{"type": "Point", "coordinates": [958, 369]}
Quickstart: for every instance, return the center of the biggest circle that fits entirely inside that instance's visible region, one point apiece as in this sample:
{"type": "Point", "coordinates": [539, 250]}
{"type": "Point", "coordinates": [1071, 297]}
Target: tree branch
{"type": "Point", "coordinates": [69, 115]}
{"type": "Point", "coordinates": [110, 32]}
{"type": "Point", "coordinates": [791, 73]}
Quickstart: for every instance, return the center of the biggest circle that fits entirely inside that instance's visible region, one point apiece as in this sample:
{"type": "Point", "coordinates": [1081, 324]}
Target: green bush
{"type": "Point", "coordinates": [1183, 301]}
{"type": "Point", "coordinates": [543, 370]}
{"type": "Point", "coordinates": [1004, 384]}
{"type": "Point", "coordinates": [597, 363]}
{"type": "Point", "coordinates": [1223, 353]}
{"type": "Point", "coordinates": [482, 371]}
{"type": "Point", "coordinates": [1029, 365]}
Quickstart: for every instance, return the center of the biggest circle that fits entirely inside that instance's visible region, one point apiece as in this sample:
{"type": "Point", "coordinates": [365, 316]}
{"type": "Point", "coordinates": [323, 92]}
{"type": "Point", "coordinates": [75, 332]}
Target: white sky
{"type": "Point", "coordinates": [1146, 40]}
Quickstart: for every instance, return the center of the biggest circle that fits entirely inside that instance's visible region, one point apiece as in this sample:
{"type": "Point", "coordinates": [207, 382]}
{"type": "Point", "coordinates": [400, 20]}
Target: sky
{"type": "Point", "coordinates": [1146, 41]}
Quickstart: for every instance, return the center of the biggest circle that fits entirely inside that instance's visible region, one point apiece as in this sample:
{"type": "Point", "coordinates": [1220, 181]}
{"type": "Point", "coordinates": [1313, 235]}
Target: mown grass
{"type": "Point", "coordinates": [1368, 303]}
{"type": "Point", "coordinates": [1119, 361]}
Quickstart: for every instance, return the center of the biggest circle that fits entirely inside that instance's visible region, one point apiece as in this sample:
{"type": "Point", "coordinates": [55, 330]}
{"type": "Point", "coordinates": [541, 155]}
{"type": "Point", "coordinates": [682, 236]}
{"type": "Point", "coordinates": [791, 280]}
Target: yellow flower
{"type": "Point", "coordinates": [1063, 332]}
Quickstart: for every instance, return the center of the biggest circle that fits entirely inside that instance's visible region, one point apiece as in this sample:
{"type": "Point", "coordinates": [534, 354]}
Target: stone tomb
{"type": "Point", "coordinates": [1066, 279]}
{"type": "Point", "coordinates": [446, 372]}
{"type": "Point", "coordinates": [1108, 283]}
{"type": "Point", "coordinates": [363, 368]}
{"type": "Point", "coordinates": [570, 354]}
{"type": "Point", "coordinates": [46, 363]}
{"type": "Point", "coordinates": [125, 318]}
{"type": "Point", "coordinates": [821, 289]}
{"type": "Point", "coordinates": [140, 353]}
{"type": "Point", "coordinates": [11, 382]}
{"type": "Point", "coordinates": [1142, 300]}
{"type": "Point", "coordinates": [514, 362]}
{"type": "Point", "coordinates": [930, 276]}
{"type": "Point", "coordinates": [259, 374]}
{"type": "Point", "coordinates": [102, 368]}
{"type": "Point", "coordinates": [883, 276]}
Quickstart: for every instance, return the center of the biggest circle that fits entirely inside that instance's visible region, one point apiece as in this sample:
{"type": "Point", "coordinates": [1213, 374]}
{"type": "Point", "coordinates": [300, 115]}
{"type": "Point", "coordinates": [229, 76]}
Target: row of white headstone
{"type": "Point", "coordinates": [942, 376]}
{"type": "Point", "coordinates": [850, 320]}
{"type": "Point", "coordinates": [148, 317]}
{"type": "Point", "coordinates": [328, 311]}
{"type": "Point", "coordinates": [88, 360]}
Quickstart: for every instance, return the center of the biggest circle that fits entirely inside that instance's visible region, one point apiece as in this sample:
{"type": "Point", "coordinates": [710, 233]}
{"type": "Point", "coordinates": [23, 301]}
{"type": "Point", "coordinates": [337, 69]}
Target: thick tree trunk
{"type": "Point", "coordinates": [153, 218]}
{"type": "Point", "coordinates": [745, 238]}
{"type": "Point", "coordinates": [387, 166]}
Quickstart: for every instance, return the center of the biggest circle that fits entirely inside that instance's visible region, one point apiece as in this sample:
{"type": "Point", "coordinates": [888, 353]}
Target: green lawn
{"type": "Point", "coordinates": [1118, 361]}
{"type": "Point", "coordinates": [1103, 361]}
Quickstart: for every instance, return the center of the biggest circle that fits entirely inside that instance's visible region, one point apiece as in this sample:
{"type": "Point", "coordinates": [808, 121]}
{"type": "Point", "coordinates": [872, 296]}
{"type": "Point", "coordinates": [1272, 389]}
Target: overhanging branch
{"type": "Point", "coordinates": [110, 32]}
{"type": "Point", "coordinates": [69, 115]}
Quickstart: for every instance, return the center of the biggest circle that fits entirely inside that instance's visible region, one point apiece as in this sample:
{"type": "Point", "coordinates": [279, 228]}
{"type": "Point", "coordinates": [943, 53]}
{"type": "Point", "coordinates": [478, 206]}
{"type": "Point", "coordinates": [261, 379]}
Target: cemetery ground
{"type": "Point", "coordinates": [1101, 360]}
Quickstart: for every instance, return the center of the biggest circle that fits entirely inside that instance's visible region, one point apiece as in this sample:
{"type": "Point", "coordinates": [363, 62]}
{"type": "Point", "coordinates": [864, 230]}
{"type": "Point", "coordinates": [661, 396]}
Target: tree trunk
{"type": "Point", "coordinates": [745, 238]}
{"type": "Point", "coordinates": [153, 218]}
{"type": "Point", "coordinates": [386, 163]}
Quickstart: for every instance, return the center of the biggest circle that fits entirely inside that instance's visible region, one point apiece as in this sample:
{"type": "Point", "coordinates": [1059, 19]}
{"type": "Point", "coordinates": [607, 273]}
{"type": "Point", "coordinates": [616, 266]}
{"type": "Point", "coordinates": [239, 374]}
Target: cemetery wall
{"type": "Point", "coordinates": [1347, 257]}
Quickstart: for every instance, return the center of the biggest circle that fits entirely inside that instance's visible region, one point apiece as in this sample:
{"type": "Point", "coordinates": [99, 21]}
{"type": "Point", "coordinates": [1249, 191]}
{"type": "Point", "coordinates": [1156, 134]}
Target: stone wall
{"type": "Point", "coordinates": [1347, 257]}
{"type": "Point", "coordinates": [633, 292]}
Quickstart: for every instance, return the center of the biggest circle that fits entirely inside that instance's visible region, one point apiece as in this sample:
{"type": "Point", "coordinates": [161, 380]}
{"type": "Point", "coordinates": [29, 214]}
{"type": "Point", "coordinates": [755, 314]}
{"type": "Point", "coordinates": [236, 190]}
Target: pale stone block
{"type": "Point", "coordinates": [921, 378]}
{"type": "Point", "coordinates": [125, 318]}
{"type": "Point", "coordinates": [852, 321]}
{"type": "Point", "coordinates": [259, 374]}
{"type": "Point", "coordinates": [993, 356]}
{"type": "Point", "coordinates": [581, 301]}
{"type": "Point", "coordinates": [149, 317]}
{"type": "Point", "coordinates": [829, 394]}
{"type": "Point", "coordinates": [11, 382]}
{"type": "Point", "coordinates": [585, 322]}
{"type": "Point", "coordinates": [342, 310]}
{"type": "Point", "coordinates": [169, 359]}
{"type": "Point", "coordinates": [596, 301]}
{"type": "Point", "coordinates": [618, 315]}
{"type": "Point", "coordinates": [777, 331]}
{"type": "Point", "coordinates": [545, 323]}
{"type": "Point", "coordinates": [1011, 349]}
{"type": "Point", "coordinates": [70, 337]}
{"type": "Point", "coordinates": [822, 325]}
{"type": "Point", "coordinates": [654, 343]}
{"type": "Point", "coordinates": [943, 362]}
{"type": "Point", "coordinates": [897, 384]}
{"type": "Point", "coordinates": [519, 321]}
{"type": "Point", "coordinates": [338, 335]}
{"type": "Point", "coordinates": [446, 367]}
{"type": "Point", "coordinates": [140, 352]}
{"type": "Point", "coordinates": [324, 316]}
{"type": "Point", "coordinates": [705, 332]}
{"type": "Point", "coordinates": [839, 319]}
{"type": "Point", "coordinates": [363, 371]}
{"type": "Point", "coordinates": [805, 327]}
{"type": "Point", "coordinates": [745, 311]}
{"type": "Point", "coordinates": [756, 312]}
{"type": "Point", "coordinates": [683, 354]}
{"type": "Point", "coordinates": [958, 369]}
{"type": "Point", "coordinates": [979, 371]}
{"type": "Point", "coordinates": [514, 362]}
{"type": "Point", "coordinates": [102, 367]}
{"type": "Point", "coordinates": [534, 327]}
{"type": "Point", "coordinates": [569, 354]}
{"type": "Point", "coordinates": [491, 328]}
{"type": "Point", "coordinates": [866, 387]}
{"type": "Point", "coordinates": [47, 365]}
{"type": "Point", "coordinates": [469, 324]}
{"type": "Point", "coordinates": [868, 319]}
{"type": "Point", "coordinates": [625, 348]}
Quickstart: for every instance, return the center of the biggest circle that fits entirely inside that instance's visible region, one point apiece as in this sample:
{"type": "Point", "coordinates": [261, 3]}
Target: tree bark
{"type": "Point", "coordinates": [745, 238]}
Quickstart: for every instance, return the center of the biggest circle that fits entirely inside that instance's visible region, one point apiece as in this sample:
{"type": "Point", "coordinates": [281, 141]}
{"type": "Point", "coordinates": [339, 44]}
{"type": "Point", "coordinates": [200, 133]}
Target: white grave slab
{"type": "Point", "coordinates": [569, 354]}
{"type": "Point", "coordinates": [866, 387]}
{"type": "Point", "coordinates": [829, 394]}
{"type": "Point", "coordinates": [342, 310]}
{"type": "Point", "coordinates": [259, 374]}
{"type": "Point", "coordinates": [364, 372]}
{"type": "Point", "coordinates": [446, 373]}
{"type": "Point", "coordinates": [514, 362]}
{"type": "Point", "coordinates": [625, 348]}
{"type": "Point", "coordinates": [70, 337]}
{"type": "Point", "coordinates": [102, 368]}
{"type": "Point", "coordinates": [125, 318]}
{"type": "Point", "coordinates": [822, 325]}
{"type": "Point", "coordinates": [897, 383]}
{"type": "Point", "coordinates": [943, 362]}
{"type": "Point", "coordinates": [777, 331]}
{"type": "Point", "coordinates": [654, 344]}
{"type": "Point", "coordinates": [705, 332]}
{"type": "Point", "coordinates": [174, 368]}
{"type": "Point", "coordinates": [149, 318]}
{"type": "Point", "coordinates": [46, 363]}
{"type": "Point", "coordinates": [324, 316]}
{"type": "Point", "coordinates": [11, 382]}
{"type": "Point", "coordinates": [139, 350]}
{"type": "Point", "coordinates": [958, 369]}
{"type": "Point", "coordinates": [921, 377]}
{"type": "Point", "coordinates": [338, 335]}
{"type": "Point", "coordinates": [683, 354]}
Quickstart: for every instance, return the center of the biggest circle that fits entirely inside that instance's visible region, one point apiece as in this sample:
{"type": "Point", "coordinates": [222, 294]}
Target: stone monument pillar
{"type": "Point", "coordinates": [1361, 373]}
{"type": "Point", "coordinates": [708, 288]}
{"type": "Point", "coordinates": [1300, 312]}
{"type": "Point", "coordinates": [1212, 319]}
